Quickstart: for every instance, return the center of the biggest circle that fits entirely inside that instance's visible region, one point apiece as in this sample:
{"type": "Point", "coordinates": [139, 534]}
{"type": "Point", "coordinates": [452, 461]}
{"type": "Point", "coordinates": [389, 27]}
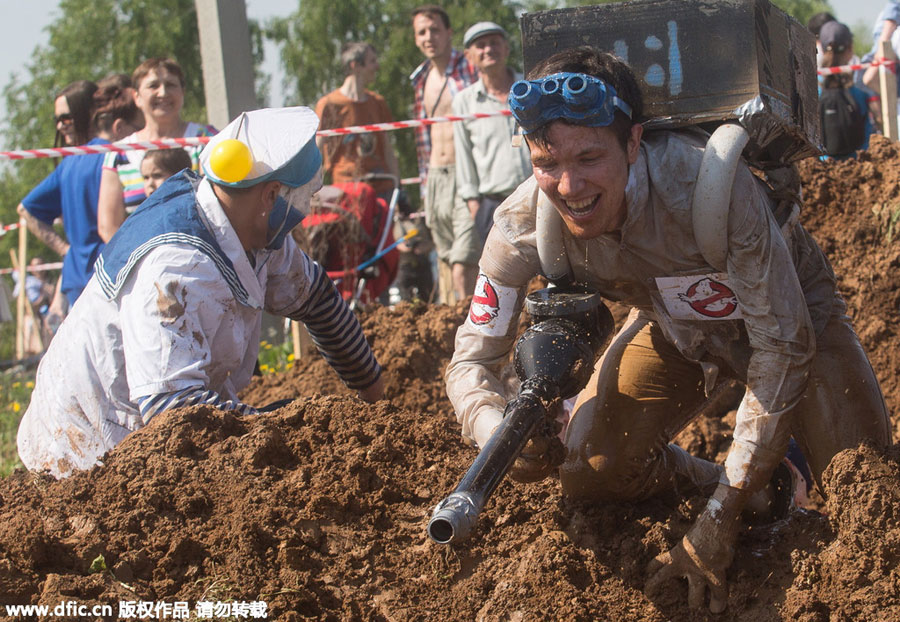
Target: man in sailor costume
{"type": "Point", "coordinates": [172, 314]}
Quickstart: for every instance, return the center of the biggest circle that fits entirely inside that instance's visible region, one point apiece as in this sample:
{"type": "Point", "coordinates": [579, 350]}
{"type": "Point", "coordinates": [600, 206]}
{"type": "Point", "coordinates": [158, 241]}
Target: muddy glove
{"type": "Point", "coordinates": [540, 458]}
{"type": "Point", "coordinates": [704, 554]}
{"type": "Point", "coordinates": [543, 454]}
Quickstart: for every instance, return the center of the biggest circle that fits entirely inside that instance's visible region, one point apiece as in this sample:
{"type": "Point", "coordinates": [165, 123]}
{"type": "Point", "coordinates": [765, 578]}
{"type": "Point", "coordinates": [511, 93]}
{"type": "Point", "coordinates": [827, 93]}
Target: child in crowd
{"type": "Point", "coordinates": [160, 164]}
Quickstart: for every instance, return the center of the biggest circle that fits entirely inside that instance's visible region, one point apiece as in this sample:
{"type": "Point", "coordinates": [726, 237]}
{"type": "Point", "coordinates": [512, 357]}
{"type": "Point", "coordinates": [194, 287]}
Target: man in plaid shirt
{"type": "Point", "coordinates": [444, 73]}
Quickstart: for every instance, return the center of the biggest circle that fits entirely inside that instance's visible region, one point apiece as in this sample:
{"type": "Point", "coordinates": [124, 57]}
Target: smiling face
{"type": "Point", "coordinates": [488, 51]}
{"type": "Point", "coordinates": [583, 171]}
{"type": "Point", "coordinates": [160, 95]}
{"type": "Point", "coordinates": [432, 36]}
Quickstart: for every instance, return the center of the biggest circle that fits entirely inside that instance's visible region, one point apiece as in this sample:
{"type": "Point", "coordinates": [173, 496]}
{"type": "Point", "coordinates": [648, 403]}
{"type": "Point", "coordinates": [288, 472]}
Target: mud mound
{"type": "Point", "coordinates": [413, 342]}
{"type": "Point", "coordinates": [319, 509]}
{"type": "Point", "coordinates": [853, 210]}
{"type": "Point", "coordinates": [855, 576]}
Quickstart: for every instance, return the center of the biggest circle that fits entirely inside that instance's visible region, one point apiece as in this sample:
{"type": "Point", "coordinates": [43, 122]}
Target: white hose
{"type": "Point", "coordinates": [551, 250]}
{"type": "Point", "coordinates": [712, 192]}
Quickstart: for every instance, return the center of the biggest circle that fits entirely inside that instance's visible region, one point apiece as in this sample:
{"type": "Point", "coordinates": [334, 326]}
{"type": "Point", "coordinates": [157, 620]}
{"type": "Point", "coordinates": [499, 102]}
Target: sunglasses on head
{"type": "Point", "coordinates": [65, 119]}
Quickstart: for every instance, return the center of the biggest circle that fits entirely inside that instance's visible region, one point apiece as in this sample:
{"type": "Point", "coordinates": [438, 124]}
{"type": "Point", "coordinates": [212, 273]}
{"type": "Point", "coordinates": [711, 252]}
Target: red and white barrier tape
{"type": "Point", "coordinates": [5, 228]}
{"type": "Point", "coordinates": [44, 267]}
{"type": "Point", "coordinates": [830, 71]}
{"type": "Point", "coordinates": [399, 125]}
{"type": "Point", "coordinates": [58, 152]}
{"type": "Point", "coordinates": [171, 143]}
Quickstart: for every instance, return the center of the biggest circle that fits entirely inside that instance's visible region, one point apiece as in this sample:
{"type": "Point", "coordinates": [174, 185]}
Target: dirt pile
{"type": "Point", "coordinates": [319, 509]}
{"type": "Point", "coordinates": [853, 209]}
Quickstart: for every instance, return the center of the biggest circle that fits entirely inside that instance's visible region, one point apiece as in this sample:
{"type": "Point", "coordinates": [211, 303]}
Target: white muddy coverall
{"type": "Point", "coordinates": [175, 325]}
{"type": "Point", "coordinates": [758, 323]}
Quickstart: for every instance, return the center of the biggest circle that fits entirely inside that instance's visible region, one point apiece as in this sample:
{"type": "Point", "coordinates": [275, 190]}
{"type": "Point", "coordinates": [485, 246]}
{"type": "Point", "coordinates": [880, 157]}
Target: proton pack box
{"type": "Point", "coordinates": [703, 62]}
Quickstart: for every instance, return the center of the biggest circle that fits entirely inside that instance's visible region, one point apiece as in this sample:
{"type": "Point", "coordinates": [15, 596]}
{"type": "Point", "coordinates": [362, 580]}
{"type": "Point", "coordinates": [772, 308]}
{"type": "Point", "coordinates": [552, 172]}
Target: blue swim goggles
{"type": "Point", "coordinates": [581, 98]}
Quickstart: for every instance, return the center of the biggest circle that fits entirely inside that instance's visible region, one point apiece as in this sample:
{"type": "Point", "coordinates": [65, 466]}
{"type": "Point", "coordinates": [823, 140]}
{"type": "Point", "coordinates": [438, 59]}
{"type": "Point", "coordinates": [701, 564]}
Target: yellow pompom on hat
{"type": "Point", "coordinates": [271, 144]}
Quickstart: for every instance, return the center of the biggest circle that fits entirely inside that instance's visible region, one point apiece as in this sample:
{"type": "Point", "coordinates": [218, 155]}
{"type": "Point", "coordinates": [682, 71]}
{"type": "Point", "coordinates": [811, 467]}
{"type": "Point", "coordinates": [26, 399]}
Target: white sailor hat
{"type": "Point", "coordinates": [272, 144]}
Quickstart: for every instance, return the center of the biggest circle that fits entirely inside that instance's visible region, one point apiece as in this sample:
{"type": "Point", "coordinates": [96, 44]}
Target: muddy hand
{"type": "Point", "coordinates": [705, 553]}
{"type": "Point", "coordinates": [373, 392]}
{"type": "Point", "coordinates": [539, 459]}
{"type": "Point", "coordinates": [683, 562]}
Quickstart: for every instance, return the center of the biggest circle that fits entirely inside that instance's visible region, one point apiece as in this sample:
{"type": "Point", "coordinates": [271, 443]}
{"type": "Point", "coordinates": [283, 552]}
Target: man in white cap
{"type": "Point", "coordinates": [171, 316]}
{"type": "Point", "coordinates": [488, 166]}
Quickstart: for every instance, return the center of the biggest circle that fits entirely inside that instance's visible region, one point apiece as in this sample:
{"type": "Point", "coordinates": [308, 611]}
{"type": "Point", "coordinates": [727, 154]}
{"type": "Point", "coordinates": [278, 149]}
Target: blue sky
{"type": "Point", "coordinates": [21, 29]}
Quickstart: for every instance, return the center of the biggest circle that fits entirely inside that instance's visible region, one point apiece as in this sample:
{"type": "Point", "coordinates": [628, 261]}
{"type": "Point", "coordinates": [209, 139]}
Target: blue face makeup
{"type": "Point", "coordinates": [282, 219]}
{"type": "Point", "coordinates": [578, 97]}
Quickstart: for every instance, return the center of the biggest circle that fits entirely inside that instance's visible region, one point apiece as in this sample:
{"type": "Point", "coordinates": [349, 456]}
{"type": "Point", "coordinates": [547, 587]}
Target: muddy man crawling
{"type": "Point", "coordinates": [610, 206]}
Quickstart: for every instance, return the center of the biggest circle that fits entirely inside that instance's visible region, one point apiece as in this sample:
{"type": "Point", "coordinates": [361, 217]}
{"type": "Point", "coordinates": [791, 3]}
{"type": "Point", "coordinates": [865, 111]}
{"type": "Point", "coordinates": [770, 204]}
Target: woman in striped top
{"type": "Point", "coordinates": [159, 94]}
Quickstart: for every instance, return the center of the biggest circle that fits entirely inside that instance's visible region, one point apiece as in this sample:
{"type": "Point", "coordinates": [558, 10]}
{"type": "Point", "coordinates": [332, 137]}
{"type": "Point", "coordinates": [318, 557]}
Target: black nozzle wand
{"type": "Point", "coordinates": [554, 359]}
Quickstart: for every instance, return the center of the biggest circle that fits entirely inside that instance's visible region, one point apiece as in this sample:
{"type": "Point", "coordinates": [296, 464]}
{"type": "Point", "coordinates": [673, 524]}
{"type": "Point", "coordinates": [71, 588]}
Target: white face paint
{"type": "Point", "coordinates": [299, 197]}
{"type": "Point", "coordinates": [291, 207]}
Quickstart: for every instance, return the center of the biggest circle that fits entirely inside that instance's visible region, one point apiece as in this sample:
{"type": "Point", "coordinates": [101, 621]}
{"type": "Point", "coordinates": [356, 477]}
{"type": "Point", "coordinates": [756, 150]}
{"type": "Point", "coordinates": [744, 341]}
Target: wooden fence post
{"type": "Point", "coordinates": [22, 299]}
{"type": "Point", "coordinates": [29, 310]}
{"type": "Point", "coordinates": [887, 82]}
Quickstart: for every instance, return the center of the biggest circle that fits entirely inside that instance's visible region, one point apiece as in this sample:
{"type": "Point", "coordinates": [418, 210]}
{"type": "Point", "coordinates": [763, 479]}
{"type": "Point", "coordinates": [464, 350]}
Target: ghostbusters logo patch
{"type": "Point", "coordinates": [710, 298]}
{"type": "Point", "coordinates": [486, 305]}
{"type": "Point", "coordinates": [699, 297]}
{"type": "Point", "coordinates": [492, 307]}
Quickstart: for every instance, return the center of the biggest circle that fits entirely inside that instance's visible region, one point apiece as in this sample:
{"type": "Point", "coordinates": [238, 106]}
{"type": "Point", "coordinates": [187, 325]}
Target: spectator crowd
{"type": "Point", "coordinates": [465, 169]}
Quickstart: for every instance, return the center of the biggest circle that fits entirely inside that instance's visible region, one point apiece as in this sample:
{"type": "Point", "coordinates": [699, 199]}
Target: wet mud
{"type": "Point", "coordinates": [319, 509]}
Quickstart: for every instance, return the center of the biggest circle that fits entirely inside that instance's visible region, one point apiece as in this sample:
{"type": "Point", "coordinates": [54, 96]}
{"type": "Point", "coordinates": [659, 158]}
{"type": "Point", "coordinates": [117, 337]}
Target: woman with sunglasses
{"type": "Point", "coordinates": [159, 95]}
{"type": "Point", "coordinates": [72, 190]}
{"type": "Point", "coordinates": [72, 113]}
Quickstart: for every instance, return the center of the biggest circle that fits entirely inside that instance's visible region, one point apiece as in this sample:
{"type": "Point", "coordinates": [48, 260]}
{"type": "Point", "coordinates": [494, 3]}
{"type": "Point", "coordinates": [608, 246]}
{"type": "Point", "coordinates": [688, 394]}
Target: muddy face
{"type": "Point", "coordinates": [584, 171]}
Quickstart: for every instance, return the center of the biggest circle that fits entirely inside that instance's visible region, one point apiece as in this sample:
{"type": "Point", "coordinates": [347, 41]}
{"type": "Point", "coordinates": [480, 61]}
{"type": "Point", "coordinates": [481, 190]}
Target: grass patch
{"type": "Point", "coordinates": [275, 358]}
{"type": "Point", "coordinates": [15, 394]}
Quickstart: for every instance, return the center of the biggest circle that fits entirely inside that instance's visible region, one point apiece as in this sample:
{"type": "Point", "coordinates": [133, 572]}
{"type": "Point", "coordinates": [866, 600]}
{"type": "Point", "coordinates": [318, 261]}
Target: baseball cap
{"type": "Point", "coordinates": [480, 29]}
{"type": "Point", "coordinates": [835, 36]}
{"type": "Point", "coordinates": [281, 143]}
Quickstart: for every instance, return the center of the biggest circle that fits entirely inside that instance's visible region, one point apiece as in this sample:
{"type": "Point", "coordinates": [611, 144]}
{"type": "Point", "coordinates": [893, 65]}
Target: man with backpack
{"type": "Point", "coordinates": [843, 106]}
{"type": "Point", "coordinates": [613, 205]}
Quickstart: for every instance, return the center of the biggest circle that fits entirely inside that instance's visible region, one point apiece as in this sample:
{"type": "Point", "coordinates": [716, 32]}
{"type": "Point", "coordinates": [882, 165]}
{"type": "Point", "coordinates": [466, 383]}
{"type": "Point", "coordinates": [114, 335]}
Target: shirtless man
{"type": "Point", "coordinates": [444, 72]}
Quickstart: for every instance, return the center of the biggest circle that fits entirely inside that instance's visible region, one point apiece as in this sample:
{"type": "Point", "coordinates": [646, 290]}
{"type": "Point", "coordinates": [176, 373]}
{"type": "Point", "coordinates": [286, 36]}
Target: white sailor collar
{"type": "Point", "coordinates": [218, 224]}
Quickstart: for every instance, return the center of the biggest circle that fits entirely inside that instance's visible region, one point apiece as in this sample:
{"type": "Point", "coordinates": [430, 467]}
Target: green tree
{"type": "Point", "coordinates": [90, 39]}
{"type": "Point", "coordinates": [802, 10]}
{"type": "Point", "coordinates": [312, 37]}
